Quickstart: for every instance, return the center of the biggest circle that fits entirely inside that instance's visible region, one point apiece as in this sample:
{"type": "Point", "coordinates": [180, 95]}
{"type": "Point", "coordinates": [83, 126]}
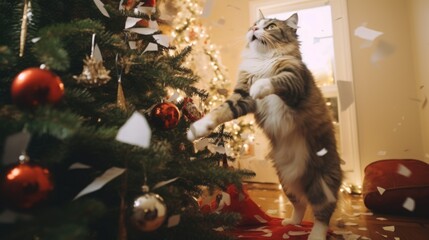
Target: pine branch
{"type": "Point", "coordinates": [57, 123]}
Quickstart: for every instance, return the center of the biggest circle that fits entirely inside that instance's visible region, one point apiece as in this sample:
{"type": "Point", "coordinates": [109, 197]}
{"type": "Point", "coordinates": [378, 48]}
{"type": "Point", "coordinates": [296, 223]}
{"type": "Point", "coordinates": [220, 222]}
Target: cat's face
{"type": "Point", "coordinates": [272, 34]}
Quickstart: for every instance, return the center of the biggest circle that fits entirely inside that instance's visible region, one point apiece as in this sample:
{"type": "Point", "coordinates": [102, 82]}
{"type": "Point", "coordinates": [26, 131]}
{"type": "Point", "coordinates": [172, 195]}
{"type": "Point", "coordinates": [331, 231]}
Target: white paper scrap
{"type": "Point", "coordinates": [135, 131]}
{"type": "Point", "coordinates": [97, 53]}
{"type": "Point", "coordinates": [132, 44]}
{"type": "Point", "coordinates": [162, 39]}
{"type": "Point", "coordinates": [367, 214]}
{"type": "Point", "coordinates": [363, 229]}
{"type": "Point", "coordinates": [389, 228]}
{"type": "Point", "coordinates": [404, 171]}
{"type": "Point", "coordinates": [297, 233]}
{"type": "Point", "coordinates": [15, 145]}
{"type": "Point", "coordinates": [151, 47]}
{"type": "Point", "coordinates": [409, 204]}
{"type": "Point", "coordinates": [381, 153]}
{"type": "Point", "coordinates": [143, 31]}
{"type": "Point", "coordinates": [131, 22]}
{"type": "Point", "coordinates": [208, 7]}
{"type": "Point", "coordinates": [100, 6]}
{"type": "Point", "coordinates": [260, 219]}
{"type": "Point", "coordinates": [385, 236]}
{"type": "Point", "coordinates": [268, 235]}
{"type": "Point", "coordinates": [367, 33]}
{"type": "Point", "coordinates": [352, 237]}
{"type": "Point", "coordinates": [163, 183]}
{"type": "Point", "coordinates": [322, 152]}
{"type": "Point", "coordinates": [272, 211]}
{"type": "Point", "coordinates": [381, 219]}
{"type": "Point", "coordinates": [365, 238]}
{"type": "Point", "coordinates": [285, 236]}
{"type": "Point", "coordinates": [79, 165]}
{"type": "Point", "coordinates": [153, 24]}
{"type": "Point", "coordinates": [220, 149]}
{"type": "Point", "coordinates": [397, 238]}
{"type": "Point", "coordinates": [350, 224]}
{"type": "Point", "coordinates": [381, 190]}
{"type": "Point", "coordinates": [201, 144]}
{"type": "Point", "coordinates": [219, 229]}
{"type": "Point", "coordinates": [36, 39]}
{"type": "Point", "coordinates": [342, 232]}
{"type": "Point", "coordinates": [100, 181]}
{"type": "Point", "coordinates": [174, 97]}
{"type": "Point", "coordinates": [173, 221]}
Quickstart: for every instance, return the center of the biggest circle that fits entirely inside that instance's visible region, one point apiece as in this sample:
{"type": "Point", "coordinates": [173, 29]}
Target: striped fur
{"type": "Point", "coordinates": [276, 86]}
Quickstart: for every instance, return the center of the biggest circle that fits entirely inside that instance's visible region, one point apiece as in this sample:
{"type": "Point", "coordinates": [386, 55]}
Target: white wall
{"type": "Point", "coordinates": [388, 120]}
{"type": "Point", "coordinates": [419, 19]}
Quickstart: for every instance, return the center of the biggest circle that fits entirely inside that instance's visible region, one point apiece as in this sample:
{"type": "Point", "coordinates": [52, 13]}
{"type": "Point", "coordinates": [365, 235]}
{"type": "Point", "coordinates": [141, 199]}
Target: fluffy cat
{"type": "Point", "coordinates": [276, 86]}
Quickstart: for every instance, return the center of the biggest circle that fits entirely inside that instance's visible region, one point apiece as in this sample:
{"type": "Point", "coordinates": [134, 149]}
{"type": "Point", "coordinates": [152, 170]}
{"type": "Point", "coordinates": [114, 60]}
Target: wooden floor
{"type": "Point", "coordinates": [351, 220]}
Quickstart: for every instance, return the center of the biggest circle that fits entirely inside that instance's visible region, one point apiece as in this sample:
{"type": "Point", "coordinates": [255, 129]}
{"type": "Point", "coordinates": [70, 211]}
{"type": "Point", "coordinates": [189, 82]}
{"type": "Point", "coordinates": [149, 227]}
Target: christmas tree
{"type": "Point", "coordinates": [94, 108]}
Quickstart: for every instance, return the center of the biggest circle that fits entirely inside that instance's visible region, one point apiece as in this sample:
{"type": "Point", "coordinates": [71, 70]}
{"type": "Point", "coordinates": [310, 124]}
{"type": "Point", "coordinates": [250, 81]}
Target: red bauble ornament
{"type": "Point", "coordinates": [190, 110]}
{"type": "Point", "coordinates": [35, 86]}
{"type": "Point", "coordinates": [165, 115]}
{"type": "Point", "coordinates": [25, 186]}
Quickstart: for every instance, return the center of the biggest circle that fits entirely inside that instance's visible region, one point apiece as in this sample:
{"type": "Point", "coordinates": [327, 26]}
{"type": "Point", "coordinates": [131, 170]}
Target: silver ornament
{"type": "Point", "coordinates": [149, 212]}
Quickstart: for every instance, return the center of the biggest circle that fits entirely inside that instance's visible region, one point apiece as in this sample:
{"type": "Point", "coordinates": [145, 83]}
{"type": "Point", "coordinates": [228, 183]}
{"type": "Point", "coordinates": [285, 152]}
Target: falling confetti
{"type": "Point", "coordinates": [381, 190]}
{"type": "Point", "coordinates": [381, 219]}
{"type": "Point", "coordinates": [268, 235]}
{"type": "Point", "coordinates": [219, 229]}
{"type": "Point", "coordinates": [409, 204]}
{"type": "Point", "coordinates": [385, 236]}
{"type": "Point", "coordinates": [381, 153]}
{"type": "Point", "coordinates": [363, 229]}
{"type": "Point", "coordinates": [285, 236]}
{"type": "Point", "coordinates": [322, 152]}
{"type": "Point", "coordinates": [341, 232]}
{"type": "Point", "coordinates": [260, 219]}
{"type": "Point", "coordinates": [350, 224]}
{"type": "Point", "coordinates": [404, 171]}
{"type": "Point", "coordinates": [272, 211]}
{"type": "Point", "coordinates": [367, 33]}
{"type": "Point", "coordinates": [297, 233]}
{"type": "Point", "coordinates": [389, 228]}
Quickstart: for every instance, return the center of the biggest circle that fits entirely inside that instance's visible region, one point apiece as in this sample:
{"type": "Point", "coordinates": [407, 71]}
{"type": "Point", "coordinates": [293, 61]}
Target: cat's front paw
{"type": "Point", "coordinates": [200, 128]}
{"type": "Point", "coordinates": [261, 88]}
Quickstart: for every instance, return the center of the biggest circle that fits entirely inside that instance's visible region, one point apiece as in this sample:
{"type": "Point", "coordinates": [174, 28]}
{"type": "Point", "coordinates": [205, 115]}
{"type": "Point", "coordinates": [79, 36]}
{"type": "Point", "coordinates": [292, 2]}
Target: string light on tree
{"type": "Point", "coordinates": [205, 59]}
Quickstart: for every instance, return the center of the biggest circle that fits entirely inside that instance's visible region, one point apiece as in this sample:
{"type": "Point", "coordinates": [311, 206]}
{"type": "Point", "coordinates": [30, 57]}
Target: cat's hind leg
{"type": "Point", "coordinates": [323, 201]}
{"type": "Point", "coordinates": [299, 207]}
{"type": "Point", "coordinates": [322, 215]}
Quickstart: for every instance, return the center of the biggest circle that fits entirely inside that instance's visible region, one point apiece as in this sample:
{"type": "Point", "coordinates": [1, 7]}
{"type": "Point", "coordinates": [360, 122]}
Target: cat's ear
{"type": "Point", "coordinates": [261, 15]}
{"type": "Point", "coordinates": [292, 21]}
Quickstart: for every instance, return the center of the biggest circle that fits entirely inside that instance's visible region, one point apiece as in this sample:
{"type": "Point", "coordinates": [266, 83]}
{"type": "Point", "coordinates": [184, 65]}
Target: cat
{"type": "Point", "coordinates": [277, 87]}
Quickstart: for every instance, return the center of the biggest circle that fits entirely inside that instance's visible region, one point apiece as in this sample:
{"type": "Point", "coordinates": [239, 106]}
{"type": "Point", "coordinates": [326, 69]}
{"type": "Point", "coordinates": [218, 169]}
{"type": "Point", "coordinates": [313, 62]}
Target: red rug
{"type": "Point", "coordinates": [255, 223]}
